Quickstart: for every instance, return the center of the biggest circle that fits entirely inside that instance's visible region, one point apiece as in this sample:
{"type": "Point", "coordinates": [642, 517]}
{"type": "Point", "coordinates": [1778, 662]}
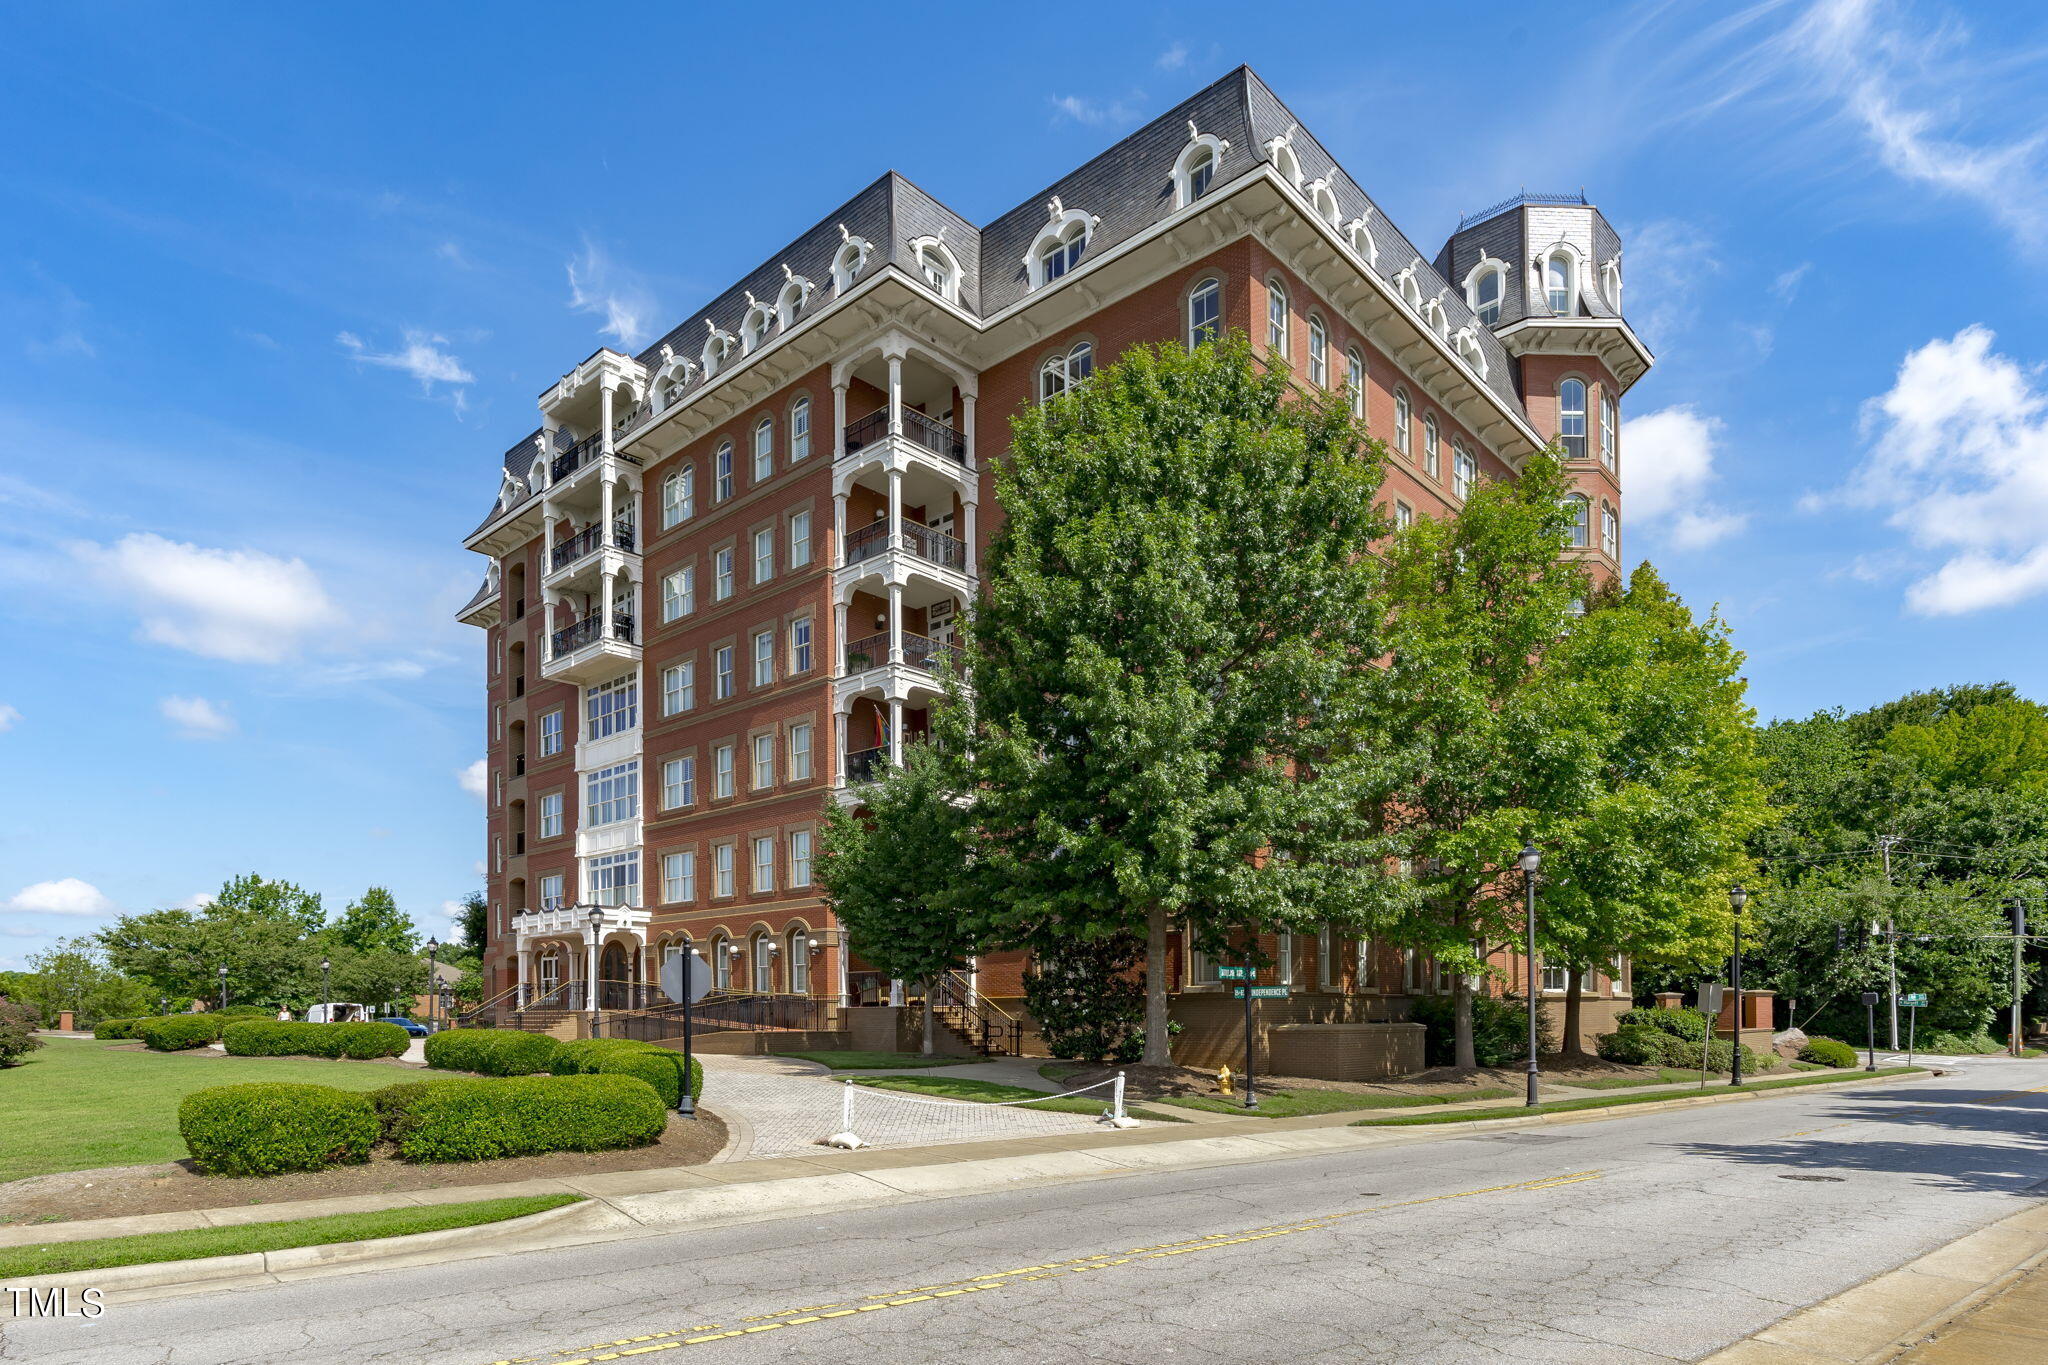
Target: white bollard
{"type": "Point", "coordinates": [845, 1137]}
{"type": "Point", "coordinates": [1116, 1117]}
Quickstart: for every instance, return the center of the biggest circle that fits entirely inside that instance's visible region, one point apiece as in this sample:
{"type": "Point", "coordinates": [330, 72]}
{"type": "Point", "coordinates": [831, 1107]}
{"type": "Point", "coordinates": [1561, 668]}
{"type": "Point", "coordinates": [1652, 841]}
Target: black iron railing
{"type": "Point", "coordinates": [575, 457]}
{"type": "Point", "coordinates": [867, 653]}
{"type": "Point", "coordinates": [865, 765]}
{"type": "Point", "coordinates": [867, 542]}
{"type": "Point", "coordinates": [986, 1026]}
{"type": "Point", "coordinates": [588, 540]}
{"type": "Point", "coordinates": [919, 429]}
{"type": "Point", "coordinates": [722, 1010]}
{"type": "Point", "coordinates": [927, 544]}
{"type": "Point", "coordinates": [919, 651]}
{"type": "Point", "coordinates": [590, 630]}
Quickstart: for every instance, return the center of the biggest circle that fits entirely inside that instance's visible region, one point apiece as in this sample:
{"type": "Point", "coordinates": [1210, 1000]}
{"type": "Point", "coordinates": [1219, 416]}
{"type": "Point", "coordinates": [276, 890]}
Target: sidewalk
{"type": "Point", "coordinates": [2010, 1325]}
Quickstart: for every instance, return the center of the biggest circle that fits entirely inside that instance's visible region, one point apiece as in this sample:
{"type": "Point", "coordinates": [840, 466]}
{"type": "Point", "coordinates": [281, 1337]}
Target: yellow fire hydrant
{"type": "Point", "coordinates": [1223, 1080]}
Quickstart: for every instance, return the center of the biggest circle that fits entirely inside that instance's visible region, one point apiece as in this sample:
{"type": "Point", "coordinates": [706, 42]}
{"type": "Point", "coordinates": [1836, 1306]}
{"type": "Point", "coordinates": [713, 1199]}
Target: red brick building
{"type": "Point", "coordinates": [721, 570]}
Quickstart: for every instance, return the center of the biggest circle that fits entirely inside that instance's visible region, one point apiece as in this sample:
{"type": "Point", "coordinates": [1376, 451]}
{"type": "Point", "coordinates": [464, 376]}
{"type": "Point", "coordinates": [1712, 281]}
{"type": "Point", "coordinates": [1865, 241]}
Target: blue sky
{"type": "Point", "coordinates": [279, 284]}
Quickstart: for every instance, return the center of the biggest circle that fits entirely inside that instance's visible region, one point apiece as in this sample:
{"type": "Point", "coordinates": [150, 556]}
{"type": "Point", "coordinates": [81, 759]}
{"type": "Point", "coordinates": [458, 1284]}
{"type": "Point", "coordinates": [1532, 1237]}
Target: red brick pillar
{"type": "Point", "coordinates": [1666, 1000]}
{"type": "Point", "coordinates": [64, 1021]}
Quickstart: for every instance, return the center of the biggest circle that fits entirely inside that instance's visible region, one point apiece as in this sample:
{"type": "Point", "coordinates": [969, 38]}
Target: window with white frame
{"type": "Point", "coordinates": [1365, 969]}
{"type": "Point", "coordinates": [799, 858]}
{"type": "Point", "coordinates": [721, 772]}
{"type": "Point", "coordinates": [764, 762]}
{"type": "Point", "coordinates": [799, 429]}
{"type": "Point", "coordinates": [678, 877]}
{"type": "Point", "coordinates": [1610, 430]}
{"type": "Point", "coordinates": [754, 326]}
{"type": "Point", "coordinates": [799, 947]}
{"type": "Point", "coordinates": [1464, 471]}
{"type": "Point", "coordinates": [498, 721]}
{"type": "Point", "coordinates": [850, 260]}
{"type": "Point", "coordinates": [764, 657]}
{"type": "Point", "coordinates": [1486, 295]}
{"type": "Point", "coordinates": [1324, 200]}
{"type": "Point", "coordinates": [721, 673]}
{"type": "Point", "coordinates": [721, 472]}
{"type": "Point", "coordinates": [677, 596]}
{"type": "Point", "coordinates": [721, 876]}
{"type": "Point", "coordinates": [1403, 417]}
{"type": "Point", "coordinates": [721, 573]}
{"type": "Point", "coordinates": [550, 732]}
{"type": "Point", "coordinates": [1200, 174]}
{"type": "Point", "coordinates": [611, 707]}
{"type": "Point", "coordinates": [800, 752]}
{"type": "Point", "coordinates": [1057, 254]}
{"type": "Point", "coordinates": [678, 688]}
{"type": "Point", "coordinates": [1205, 312]}
{"type": "Point", "coordinates": [1571, 417]}
{"type": "Point", "coordinates": [1318, 352]}
{"type": "Point", "coordinates": [1557, 281]}
{"type": "Point", "coordinates": [799, 539]}
{"type": "Point", "coordinates": [1404, 516]}
{"type": "Point", "coordinates": [1201, 965]}
{"type": "Point", "coordinates": [800, 646]}
{"type": "Point", "coordinates": [1354, 380]}
{"type": "Point", "coordinates": [1063, 371]}
{"type": "Point", "coordinates": [1326, 959]}
{"type": "Point", "coordinates": [1284, 950]}
{"type": "Point", "coordinates": [936, 265]}
{"type": "Point", "coordinates": [611, 794]}
{"type": "Point", "coordinates": [721, 959]}
{"type": "Point", "coordinates": [764, 862]}
{"type": "Point", "coordinates": [764, 554]}
{"type": "Point", "coordinates": [678, 497]}
{"type": "Point", "coordinates": [764, 449]}
{"type": "Point", "coordinates": [1277, 318]}
{"type": "Point", "coordinates": [615, 879]}
{"type": "Point", "coordinates": [1556, 979]}
{"type": "Point", "coordinates": [678, 783]}
{"type": "Point", "coordinates": [551, 891]}
{"type": "Point", "coordinates": [1610, 532]}
{"type": "Point", "coordinates": [1432, 438]}
{"type": "Point", "coordinates": [1578, 537]}
{"type": "Point", "coordinates": [550, 815]}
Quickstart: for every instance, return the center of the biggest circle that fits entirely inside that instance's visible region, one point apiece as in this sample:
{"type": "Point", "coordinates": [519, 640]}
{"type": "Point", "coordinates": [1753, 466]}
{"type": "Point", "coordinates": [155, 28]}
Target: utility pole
{"type": "Point", "coordinates": [2019, 939]}
{"type": "Point", "coordinates": [1891, 936]}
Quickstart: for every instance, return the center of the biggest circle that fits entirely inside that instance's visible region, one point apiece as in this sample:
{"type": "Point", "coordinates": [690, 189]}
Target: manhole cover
{"type": "Point", "coordinates": [1829, 1179]}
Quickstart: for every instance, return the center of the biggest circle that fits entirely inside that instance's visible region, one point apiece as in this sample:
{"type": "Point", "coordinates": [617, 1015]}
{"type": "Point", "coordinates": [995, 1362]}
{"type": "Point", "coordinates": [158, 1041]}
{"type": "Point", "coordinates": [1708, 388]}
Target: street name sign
{"type": "Point", "coordinates": [1917, 1000]}
{"type": "Point", "coordinates": [1233, 973]}
{"type": "Point", "coordinates": [1261, 993]}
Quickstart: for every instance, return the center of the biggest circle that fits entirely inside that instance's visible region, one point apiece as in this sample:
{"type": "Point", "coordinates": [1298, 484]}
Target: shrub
{"type": "Point", "coordinates": [115, 1028]}
{"type": "Point", "coordinates": [479, 1120]}
{"type": "Point", "coordinates": [491, 1051]}
{"type": "Point", "coordinates": [1633, 1044]}
{"type": "Point", "coordinates": [17, 1032]}
{"type": "Point", "coordinates": [245, 1012]}
{"type": "Point", "coordinates": [1979, 1043]}
{"type": "Point", "coordinates": [659, 1066]}
{"type": "Point", "coordinates": [1828, 1052]}
{"type": "Point", "coordinates": [282, 1038]}
{"type": "Point", "coordinates": [1500, 1030]}
{"type": "Point", "coordinates": [1688, 1024]}
{"type": "Point", "coordinates": [1088, 998]}
{"type": "Point", "coordinates": [176, 1032]}
{"type": "Point", "coordinates": [270, 1127]}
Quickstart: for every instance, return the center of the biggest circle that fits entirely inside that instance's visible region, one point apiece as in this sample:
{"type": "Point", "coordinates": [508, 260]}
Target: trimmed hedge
{"type": "Point", "coordinates": [244, 1012]}
{"type": "Point", "coordinates": [281, 1038]}
{"type": "Point", "coordinates": [1828, 1052]}
{"type": "Point", "coordinates": [1633, 1045]}
{"type": "Point", "coordinates": [176, 1032]}
{"type": "Point", "coordinates": [659, 1066]}
{"type": "Point", "coordinates": [115, 1028]}
{"type": "Point", "coordinates": [480, 1120]}
{"type": "Point", "coordinates": [1688, 1024]}
{"type": "Point", "coordinates": [1641, 1045]}
{"type": "Point", "coordinates": [268, 1128]}
{"type": "Point", "coordinates": [491, 1051]}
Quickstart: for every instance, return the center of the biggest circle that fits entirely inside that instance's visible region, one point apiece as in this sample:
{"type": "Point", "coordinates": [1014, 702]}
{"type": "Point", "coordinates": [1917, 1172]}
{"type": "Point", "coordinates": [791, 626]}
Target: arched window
{"type": "Point", "coordinates": [1610, 431]}
{"type": "Point", "coordinates": [1281, 151]}
{"type": "Point", "coordinates": [796, 292]}
{"type": "Point", "coordinates": [1201, 173]}
{"type": "Point", "coordinates": [1431, 441]}
{"type": "Point", "coordinates": [799, 961]}
{"type": "Point", "coordinates": [936, 265]}
{"type": "Point", "coordinates": [1486, 294]}
{"type": "Point", "coordinates": [1058, 248]}
{"type": "Point", "coordinates": [721, 466]}
{"type": "Point", "coordinates": [755, 325]}
{"type": "Point", "coordinates": [721, 962]}
{"type": "Point", "coordinates": [1205, 312]}
{"type": "Point", "coordinates": [1571, 418]}
{"type": "Point", "coordinates": [1195, 170]}
{"type": "Point", "coordinates": [1401, 420]}
{"type": "Point", "coordinates": [851, 259]}
{"type": "Point", "coordinates": [1323, 199]}
{"type": "Point", "coordinates": [1610, 531]}
{"type": "Point", "coordinates": [764, 964]}
{"type": "Point", "coordinates": [1557, 282]}
{"type": "Point", "coordinates": [1062, 372]}
{"type": "Point", "coordinates": [1318, 352]}
{"type": "Point", "coordinates": [717, 347]}
{"type": "Point", "coordinates": [1360, 236]}
{"type": "Point", "coordinates": [1354, 380]}
{"type": "Point", "coordinates": [764, 449]}
{"type": "Point", "coordinates": [679, 496]}
{"type": "Point", "coordinates": [1464, 470]}
{"type": "Point", "coordinates": [1276, 318]}
{"type": "Point", "coordinates": [1578, 536]}
{"type": "Point", "coordinates": [800, 428]}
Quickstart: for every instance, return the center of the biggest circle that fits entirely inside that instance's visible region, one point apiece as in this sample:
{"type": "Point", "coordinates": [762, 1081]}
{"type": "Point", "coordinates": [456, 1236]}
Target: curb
{"type": "Point", "coordinates": [604, 1218]}
{"type": "Point", "coordinates": [1891, 1314]}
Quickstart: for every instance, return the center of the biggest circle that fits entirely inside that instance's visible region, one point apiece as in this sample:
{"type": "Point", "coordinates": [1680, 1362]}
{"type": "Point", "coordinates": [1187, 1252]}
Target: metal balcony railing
{"type": "Point", "coordinates": [934, 547]}
{"type": "Point", "coordinates": [588, 540]}
{"type": "Point", "coordinates": [588, 631]}
{"type": "Point", "coordinates": [919, 429]}
{"type": "Point", "coordinates": [581, 454]}
{"type": "Point", "coordinates": [865, 765]}
{"type": "Point", "coordinates": [919, 651]}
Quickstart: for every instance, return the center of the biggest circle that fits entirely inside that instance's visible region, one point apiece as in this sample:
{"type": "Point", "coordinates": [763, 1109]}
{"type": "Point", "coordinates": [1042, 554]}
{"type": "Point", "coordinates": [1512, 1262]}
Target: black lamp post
{"type": "Point", "coordinates": [223, 985]}
{"type": "Point", "coordinates": [596, 961]}
{"type": "Point", "coordinates": [433, 951]}
{"type": "Point", "coordinates": [326, 995]}
{"type": "Point", "coordinates": [1737, 898]}
{"type": "Point", "coordinates": [163, 1004]}
{"type": "Point", "coordinates": [1530, 860]}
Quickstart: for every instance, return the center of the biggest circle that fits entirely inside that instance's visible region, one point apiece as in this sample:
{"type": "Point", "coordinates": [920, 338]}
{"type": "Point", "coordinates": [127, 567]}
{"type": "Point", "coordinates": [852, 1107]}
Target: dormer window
{"type": "Point", "coordinates": [936, 266]}
{"type": "Point", "coordinates": [1062, 372]}
{"type": "Point", "coordinates": [1484, 289]}
{"type": "Point", "coordinates": [1201, 173]}
{"type": "Point", "coordinates": [796, 292]}
{"type": "Point", "coordinates": [1610, 280]}
{"type": "Point", "coordinates": [1063, 253]}
{"type": "Point", "coordinates": [755, 326]}
{"type": "Point", "coordinates": [851, 259]}
{"type": "Point", "coordinates": [1324, 200]}
{"type": "Point", "coordinates": [1360, 236]}
{"type": "Point", "coordinates": [1196, 169]}
{"type": "Point", "coordinates": [1470, 351]}
{"type": "Point", "coordinates": [1558, 282]}
{"type": "Point", "coordinates": [1281, 152]}
{"type": "Point", "coordinates": [1059, 244]}
{"type": "Point", "coordinates": [717, 346]}
{"type": "Point", "coordinates": [1410, 287]}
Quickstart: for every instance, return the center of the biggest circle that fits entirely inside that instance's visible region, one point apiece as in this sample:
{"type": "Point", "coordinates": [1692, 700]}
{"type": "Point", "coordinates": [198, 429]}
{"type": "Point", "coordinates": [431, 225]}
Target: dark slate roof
{"type": "Point", "coordinates": [484, 593]}
{"type": "Point", "coordinates": [1515, 230]}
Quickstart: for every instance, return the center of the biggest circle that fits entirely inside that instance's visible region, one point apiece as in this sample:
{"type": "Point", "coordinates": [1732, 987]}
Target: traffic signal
{"type": "Point", "coordinates": [2019, 917]}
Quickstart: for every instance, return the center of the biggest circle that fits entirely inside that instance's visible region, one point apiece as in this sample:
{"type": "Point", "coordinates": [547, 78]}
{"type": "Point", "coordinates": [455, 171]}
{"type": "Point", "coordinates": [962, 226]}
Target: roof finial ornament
{"type": "Point", "coordinates": [844, 235]}
{"type": "Point", "coordinates": [1053, 209]}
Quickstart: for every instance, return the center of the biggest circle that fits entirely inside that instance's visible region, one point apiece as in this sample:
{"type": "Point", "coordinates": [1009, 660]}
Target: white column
{"type": "Point", "coordinates": [590, 978]}
{"type": "Point", "coordinates": [895, 509]}
{"type": "Point", "coordinates": [525, 957]}
{"type": "Point", "coordinates": [838, 420]}
{"type": "Point", "coordinates": [845, 979]}
{"type": "Point", "coordinates": [547, 625]}
{"type": "Point", "coordinates": [967, 426]}
{"type": "Point", "coordinates": [604, 401]}
{"type": "Point", "coordinates": [895, 623]}
{"type": "Point", "coordinates": [842, 726]}
{"type": "Point", "coordinates": [839, 636]}
{"type": "Point", "coordinates": [969, 556]}
{"type": "Point", "coordinates": [895, 395]}
{"type": "Point", "coordinates": [895, 731]}
{"type": "Point", "coordinates": [839, 530]}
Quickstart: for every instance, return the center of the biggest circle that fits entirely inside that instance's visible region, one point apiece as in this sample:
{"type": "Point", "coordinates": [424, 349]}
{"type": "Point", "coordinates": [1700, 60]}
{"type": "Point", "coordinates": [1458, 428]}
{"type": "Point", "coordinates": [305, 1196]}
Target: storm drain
{"type": "Point", "coordinates": [1829, 1179]}
{"type": "Point", "coordinates": [1530, 1137]}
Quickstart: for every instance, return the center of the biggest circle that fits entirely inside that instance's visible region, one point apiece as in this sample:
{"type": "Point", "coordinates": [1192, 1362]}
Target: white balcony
{"type": "Point", "coordinates": [587, 652]}
{"type": "Point", "coordinates": [590, 554]}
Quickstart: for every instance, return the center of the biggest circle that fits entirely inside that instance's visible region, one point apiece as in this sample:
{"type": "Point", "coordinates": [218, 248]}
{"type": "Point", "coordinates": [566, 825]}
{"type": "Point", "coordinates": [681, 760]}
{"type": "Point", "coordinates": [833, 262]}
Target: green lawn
{"type": "Point", "coordinates": [77, 1103]}
{"type": "Point", "coordinates": [987, 1092]}
{"type": "Point", "coordinates": [847, 1059]}
{"type": "Point", "coordinates": [57, 1258]}
{"type": "Point", "coordinates": [1617, 1101]}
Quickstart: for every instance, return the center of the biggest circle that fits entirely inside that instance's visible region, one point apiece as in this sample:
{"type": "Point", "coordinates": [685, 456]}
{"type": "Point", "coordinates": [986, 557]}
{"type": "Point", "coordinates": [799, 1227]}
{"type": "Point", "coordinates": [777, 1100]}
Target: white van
{"type": "Point", "coordinates": [335, 1012]}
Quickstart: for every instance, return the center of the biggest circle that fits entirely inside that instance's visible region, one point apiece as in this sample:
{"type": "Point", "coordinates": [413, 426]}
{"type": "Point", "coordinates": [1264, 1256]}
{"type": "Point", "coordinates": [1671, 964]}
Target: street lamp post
{"type": "Point", "coordinates": [326, 994]}
{"type": "Point", "coordinates": [596, 957]}
{"type": "Point", "coordinates": [1737, 898]}
{"type": "Point", "coordinates": [223, 970]}
{"type": "Point", "coordinates": [1530, 861]}
{"type": "Point", "coordinates": [433, 951]}
{"type": "Point", "coordinates": [163, 1004]}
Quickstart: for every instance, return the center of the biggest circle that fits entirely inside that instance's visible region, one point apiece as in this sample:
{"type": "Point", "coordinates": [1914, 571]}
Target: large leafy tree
{"type": "Point", "coordinates": [1484, 751]}
{"type": "Point", "coordinates": [1168, 662]}
{"type": "Point", "coordinates": [1641, 863]}
{"type": "Point", "coordinates": [178, 952]}
{"type": "Point", "coordinates": [263, 898]}
{"type": "Point", "coordinates": [894, 873]}
{"type": "Point", "coordinates": [374, 924]}
{"type": "Point", "coordinates": [75, 975]}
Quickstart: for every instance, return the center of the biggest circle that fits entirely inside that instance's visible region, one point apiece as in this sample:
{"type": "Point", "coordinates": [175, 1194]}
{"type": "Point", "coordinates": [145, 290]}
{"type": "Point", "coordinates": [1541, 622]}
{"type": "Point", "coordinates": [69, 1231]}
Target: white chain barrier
{"type": "Point", "coordinates": [916, 1120]}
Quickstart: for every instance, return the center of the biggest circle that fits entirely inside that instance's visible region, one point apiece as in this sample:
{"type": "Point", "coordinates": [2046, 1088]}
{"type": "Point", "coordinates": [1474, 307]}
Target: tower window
{"type": "Point", "coordinates": [1276, 319]}
{"type": "Point", "coordinates": [1486, 297]}
{"type": "Point", "coordinates": [1557, 282]}
{"type": "Point", "coordinates": [1205, 312]}
{"type": "Point", "coordinates": [1571, 418]}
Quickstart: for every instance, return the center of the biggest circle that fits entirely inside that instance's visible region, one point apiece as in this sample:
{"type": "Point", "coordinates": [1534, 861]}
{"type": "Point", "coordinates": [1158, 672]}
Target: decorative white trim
{"type": "Point", "coordinates": [1485, 265]}
{"type": "Point", "coordinates": [1060, 222]}
{"type": "Point", "coordinates": [796, 292]}
{"type": "Point", "coordinates": [1467, 342]}
{"type": "Point", "coordinates": [1283, 146]}
{"type": "Point", "coordinates": [1610, 280]}
{"type": "Point", "coordinates": [850, 261]}
{"type": "Point", "coordinates": [756, 324]}
{"type": "Point", "coordinates": [1358, 233]}
{"type": "Point", "coordinates": [934, 245]}
{"type": "Point", "coordinates": [675, 374]}
{"type": "Point", "coordinates": [717, 346]}
{"type": "Point", "coordinates": [1322, 197]}
{"type": "Point", "coordinates": [1541, 277]}
{"type": "Point", "coordinates": [1183, 166]}
{"type": "Point", "coordinates": [1407, 285]}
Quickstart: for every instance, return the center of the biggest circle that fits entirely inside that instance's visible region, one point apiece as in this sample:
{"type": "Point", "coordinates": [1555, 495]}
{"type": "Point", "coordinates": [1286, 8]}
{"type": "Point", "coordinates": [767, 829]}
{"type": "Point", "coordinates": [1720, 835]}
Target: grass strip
{"type": "Point", "coordinates": [57, 1258]}
{"type": "Point", "coordinates": [988, 1092]}
{"type": "Point", "coordinates": [846, 1059]}
{"type": "Point", "coordinates": [1617, 1101]}
{"type": "Point", "coordinates": [1287, 1104]}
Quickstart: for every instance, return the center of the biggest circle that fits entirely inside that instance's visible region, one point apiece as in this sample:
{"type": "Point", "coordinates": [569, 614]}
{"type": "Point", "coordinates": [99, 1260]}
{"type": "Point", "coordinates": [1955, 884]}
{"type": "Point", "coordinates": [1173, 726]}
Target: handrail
{"type": "Point", "coordinates": [469, 1014]}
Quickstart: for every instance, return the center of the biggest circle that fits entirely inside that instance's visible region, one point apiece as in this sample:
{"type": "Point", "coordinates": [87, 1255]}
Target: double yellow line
{"type": "Point", "coordinates": [627, 1347]}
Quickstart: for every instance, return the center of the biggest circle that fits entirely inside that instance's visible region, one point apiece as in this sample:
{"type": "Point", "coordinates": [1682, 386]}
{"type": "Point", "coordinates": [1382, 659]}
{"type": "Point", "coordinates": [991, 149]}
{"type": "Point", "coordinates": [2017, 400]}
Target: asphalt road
{"type": "Point", "coordinates": [1656, 1238]}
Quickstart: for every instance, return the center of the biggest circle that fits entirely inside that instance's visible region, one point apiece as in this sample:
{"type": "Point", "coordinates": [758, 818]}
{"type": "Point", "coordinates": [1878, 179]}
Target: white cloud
{"type": "Point", "coordinates": [599, 286]}
{"type": "Point", "coordinates": [9, 717]}
{"type": "Point", "coordinates": [197, 718]}
{"type": "Point", "coordinates": [475, 779]}
{"type": "Point", "coordinates": [1671, 454]}
{"type": "Point", "coordinates": [198, 900]}
{"type": "Point", "coordinates": [243, 606]}
{"type": "Point", "coordinates": [1097, 113]}
{"type": "Point", "coordinates": [422, 357]}
{"type": "Point", "coordinates": [1786, 286]}
{"type": "Point", "coordinates": [65, 896]}
{"type": "Point", "coordinates": [1174, 58]}
{"type": "Point", "coordinates": [1958, 458]}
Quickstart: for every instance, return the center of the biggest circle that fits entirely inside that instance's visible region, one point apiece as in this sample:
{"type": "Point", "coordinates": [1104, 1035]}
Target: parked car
{"type": "Point", "coordinates": [412, 1026]}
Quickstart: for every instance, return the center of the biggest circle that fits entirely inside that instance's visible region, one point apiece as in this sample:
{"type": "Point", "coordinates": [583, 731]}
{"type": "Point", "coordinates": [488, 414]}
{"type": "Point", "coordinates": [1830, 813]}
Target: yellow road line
{"type": "Point", "coordinates": [624, 1347]}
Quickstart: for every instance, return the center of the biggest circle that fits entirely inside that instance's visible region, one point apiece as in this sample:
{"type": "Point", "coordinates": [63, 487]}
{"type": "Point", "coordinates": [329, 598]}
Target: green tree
{"type": "Point", "coordinates": [262, 898]}
{"type": "Point", "coordinates": [374, 924]}
{"type": "Point", "coordinates": [894, 873]}
{"type": "Point", "coordinates": [2001, 745]}
{"type": "Point", "coordinates": [75, 975]}
{"type": "Point", "coordinates": [1168, 661]}
{"type": "Point", "coordinates": [259, 930]}
{"type": "Point", "coordinates": [1483, 755]}
{"type": "Point", "coordinates": [475, 921]}
{"type": "Point", "coordinates": [1642, 864]}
